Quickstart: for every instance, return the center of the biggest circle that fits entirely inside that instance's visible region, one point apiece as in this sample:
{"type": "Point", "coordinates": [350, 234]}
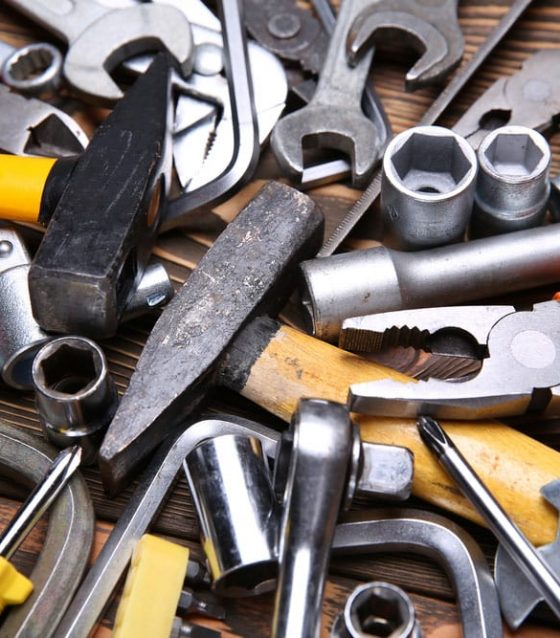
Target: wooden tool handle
{"type": "Point", "coordinates": [292, 365]}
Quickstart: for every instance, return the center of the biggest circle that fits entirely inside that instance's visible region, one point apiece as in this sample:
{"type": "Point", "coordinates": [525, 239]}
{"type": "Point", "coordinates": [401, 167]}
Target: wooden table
{"type": "Point", "coordinates": [429, 588]}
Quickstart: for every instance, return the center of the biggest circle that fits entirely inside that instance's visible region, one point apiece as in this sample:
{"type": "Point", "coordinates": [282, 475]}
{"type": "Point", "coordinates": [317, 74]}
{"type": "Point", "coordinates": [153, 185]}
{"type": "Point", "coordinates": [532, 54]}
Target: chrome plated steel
{"type": "Point", "coordinates": [20, 335]}
{"type": "Point", "coordinates": [74, 393]}
{"type": "Point", "coordinates": [31, 127]}
{"type": "Point", "coordinates": [31, 69]}
{"type": "Point", "coordinates": [377, 609]}
{"type": "Point", "coordinates": [417, 532]}
{"type": "Point", "coordinates": [230, 483]}
{"type": "Point", "coordinates": [100, 37]}
{"type": "Point", "coordinates": [427, 188]}
{"type": "Point", "coordinates": [513, 188]}
{"type": "Point", "coordinates": [533, 565]}
{"type": "Point", "coordinates": [65, 552]}
{"type": "Point", "coordinates": [519, 373]}
{"type": "Point", "coordinates": [378, 280]}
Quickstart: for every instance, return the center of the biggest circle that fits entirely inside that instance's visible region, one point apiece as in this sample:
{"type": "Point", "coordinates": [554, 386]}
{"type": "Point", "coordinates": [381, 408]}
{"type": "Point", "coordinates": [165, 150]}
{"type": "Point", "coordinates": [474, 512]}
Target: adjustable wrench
{"type": "Point", "coordinates": [99, 38]}
{"type": "Point", "coordinates": [32, 127]}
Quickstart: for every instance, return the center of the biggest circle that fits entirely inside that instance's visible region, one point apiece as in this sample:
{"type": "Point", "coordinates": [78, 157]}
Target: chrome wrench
{"type": "Point", "coordinates": [99, 38]}
{"type": "Point", "coordinates": [32, 69]}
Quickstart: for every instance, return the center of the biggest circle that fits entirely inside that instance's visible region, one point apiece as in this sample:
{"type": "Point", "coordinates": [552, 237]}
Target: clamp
{"type": "Point", "coordinates": [519, 373]}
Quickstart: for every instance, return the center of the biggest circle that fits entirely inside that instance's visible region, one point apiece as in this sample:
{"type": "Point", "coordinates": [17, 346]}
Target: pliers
{"type": "Point", "coordinates": [520, 370]}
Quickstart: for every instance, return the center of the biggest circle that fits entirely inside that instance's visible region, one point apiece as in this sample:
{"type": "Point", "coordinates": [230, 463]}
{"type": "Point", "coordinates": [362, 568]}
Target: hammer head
{"type": "Point", "coordinates": [102, 229]}
{"type": "Point", "coordinates": [249, 270]}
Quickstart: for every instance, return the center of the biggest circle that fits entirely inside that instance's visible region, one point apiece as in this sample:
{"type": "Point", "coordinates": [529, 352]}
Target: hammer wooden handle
{"type": "Point", "coordinates": [290, 365]}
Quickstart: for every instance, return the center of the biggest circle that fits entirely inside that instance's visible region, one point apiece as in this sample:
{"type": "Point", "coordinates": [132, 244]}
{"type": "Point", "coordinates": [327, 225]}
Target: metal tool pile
{"type": "Point", "coordinates": [466, 214]}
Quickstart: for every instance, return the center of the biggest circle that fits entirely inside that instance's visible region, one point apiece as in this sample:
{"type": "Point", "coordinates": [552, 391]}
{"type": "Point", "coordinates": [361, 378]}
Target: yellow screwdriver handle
{"type": "Point", "coordinates": [15, 588]}
{"type": "Point", "coordinates": [152, 589]}
{"type": "Point", "coordinates": [22, 182]}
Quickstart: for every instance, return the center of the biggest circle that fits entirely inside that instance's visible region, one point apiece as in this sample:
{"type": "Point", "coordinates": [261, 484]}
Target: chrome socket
{"type": "Point", "coordinates": [20, 335]}
{"type": "Point", "coordinates": [512, 188]}
{"type": "Point", "coordinates": [237, 512]}
{"type": "Point", "coordinates": [74, 393]}
{"type": "Point", "coordinates": [427, 188]}
{"type": "Point", "coordinates": [377, 609]}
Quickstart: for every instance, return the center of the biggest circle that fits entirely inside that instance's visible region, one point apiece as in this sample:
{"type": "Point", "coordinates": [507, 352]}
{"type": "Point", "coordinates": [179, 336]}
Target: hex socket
{"type": "Point", "coordinates": [74, 393]}
{"type": "Point", "coordinates": [377, 609]}
{"type": "Point", "coordinates": [381, 280]}
{"type": "Point", "coordinates": [237, 512]}
{"type": "Point", "coordinates": [512, 189]}
{"type": "Point", "coordinates": [427, 188]}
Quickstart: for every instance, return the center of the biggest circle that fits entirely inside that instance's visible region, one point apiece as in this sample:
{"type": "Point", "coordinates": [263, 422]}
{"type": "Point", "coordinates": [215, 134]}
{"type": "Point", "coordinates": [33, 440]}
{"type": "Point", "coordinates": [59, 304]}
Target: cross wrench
{"type": "Point", "coordinates": [333, 118]}
{"type": "Point", "coordinates": [99, 38]}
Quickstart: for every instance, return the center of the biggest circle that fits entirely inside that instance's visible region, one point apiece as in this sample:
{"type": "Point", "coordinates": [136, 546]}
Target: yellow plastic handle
{"type": "Point", "coordinates": [22, 181]}
{"type": "Point", "coordinates": [15, 588]}
{"type": "Point", "coordinates": [152, 589]}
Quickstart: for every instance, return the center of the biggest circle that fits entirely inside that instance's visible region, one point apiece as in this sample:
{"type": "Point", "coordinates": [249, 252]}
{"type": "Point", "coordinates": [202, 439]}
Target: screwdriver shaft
{"type": "Point", "coordinates": [529, 561]}
{"type": "Point", "coordinates": [40, 499]}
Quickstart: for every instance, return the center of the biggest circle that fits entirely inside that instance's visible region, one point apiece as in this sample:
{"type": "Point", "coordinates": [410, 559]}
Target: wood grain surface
{"type": "Point", "coordinates": [179, 252]}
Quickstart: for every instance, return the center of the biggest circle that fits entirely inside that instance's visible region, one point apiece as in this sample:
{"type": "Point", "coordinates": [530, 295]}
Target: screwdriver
{"type": "Point", "coordinates": [14, 587]}
{"type": "Point", "coordinates": [520, 550]}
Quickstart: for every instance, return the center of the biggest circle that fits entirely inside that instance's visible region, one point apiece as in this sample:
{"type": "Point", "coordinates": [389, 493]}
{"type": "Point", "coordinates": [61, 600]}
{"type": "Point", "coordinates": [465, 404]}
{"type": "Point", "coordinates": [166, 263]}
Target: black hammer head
{"type": "Point", "coordinates": [102, 229]}
{"type": "Point", "coordinates": [249, 270]}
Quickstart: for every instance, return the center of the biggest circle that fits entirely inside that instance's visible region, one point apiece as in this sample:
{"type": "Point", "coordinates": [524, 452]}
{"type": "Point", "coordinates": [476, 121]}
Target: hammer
{"type": "Point", "coordinates": [212, 333]}
{"type": "Point", "coordinates": [101, 209]}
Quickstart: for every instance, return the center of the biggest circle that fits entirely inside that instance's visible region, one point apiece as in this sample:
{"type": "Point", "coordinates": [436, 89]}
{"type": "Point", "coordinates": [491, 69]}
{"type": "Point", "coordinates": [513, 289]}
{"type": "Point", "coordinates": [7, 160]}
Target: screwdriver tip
{"type": "Point", "coordinates": [433, 435]}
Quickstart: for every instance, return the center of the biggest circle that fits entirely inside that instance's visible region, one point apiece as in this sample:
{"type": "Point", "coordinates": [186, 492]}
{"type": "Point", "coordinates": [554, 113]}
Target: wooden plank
{"type": "Point", "coordinates": [539, 28]}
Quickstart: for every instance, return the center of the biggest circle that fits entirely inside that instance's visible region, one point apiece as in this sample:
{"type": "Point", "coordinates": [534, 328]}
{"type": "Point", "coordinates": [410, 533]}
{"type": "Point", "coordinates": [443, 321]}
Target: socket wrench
{"type": "Point", "coordinates": [376, 280]}
{"type": "Point", "coordinates": [320, 465]}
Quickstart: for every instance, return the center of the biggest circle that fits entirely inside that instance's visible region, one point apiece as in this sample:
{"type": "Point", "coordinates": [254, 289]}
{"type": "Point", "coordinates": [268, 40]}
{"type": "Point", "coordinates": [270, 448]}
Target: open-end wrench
{"type": "Point", "coordinates": [99, 38]}
{"type": "Point", "coordinates": [440, 104]}
{"type": "Point", "coordinates": [431, 28]}
{"type": "Point", "coordinates": [31, 69]}
{"type": "Point", "coordinates": [334, 117]}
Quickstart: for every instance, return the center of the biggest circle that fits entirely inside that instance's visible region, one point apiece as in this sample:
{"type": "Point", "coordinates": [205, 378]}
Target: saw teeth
{"type": "Point", "coordinates": [359, 340]}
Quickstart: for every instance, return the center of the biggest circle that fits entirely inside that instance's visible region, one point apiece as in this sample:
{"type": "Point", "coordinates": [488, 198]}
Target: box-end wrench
{"type": "Point", "coordinates": [32, 69]}
{"type": "Point", "coordinates": [99, 38]}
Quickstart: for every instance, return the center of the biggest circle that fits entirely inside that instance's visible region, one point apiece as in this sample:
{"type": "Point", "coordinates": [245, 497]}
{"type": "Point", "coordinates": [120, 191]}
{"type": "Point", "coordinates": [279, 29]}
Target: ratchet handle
{"type": "Point", "coordinates": [290, 365]}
